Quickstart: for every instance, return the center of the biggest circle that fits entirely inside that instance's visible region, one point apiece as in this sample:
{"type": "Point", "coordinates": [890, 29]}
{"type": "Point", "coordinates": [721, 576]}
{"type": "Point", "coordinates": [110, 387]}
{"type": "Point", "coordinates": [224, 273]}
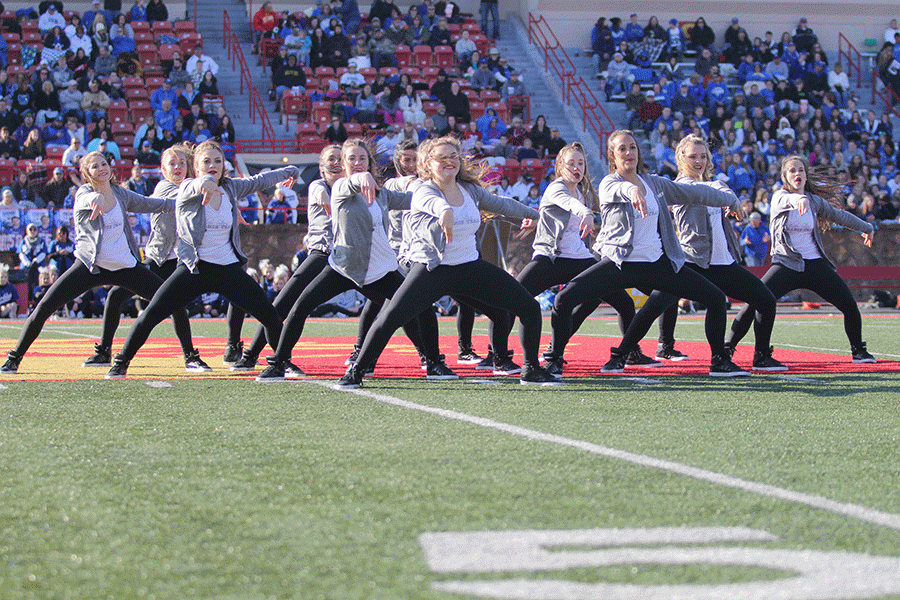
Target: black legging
{"type": "Point", "coordinates": [477, 282]}
{"type": "Point", "coordinates": [231, 281]}
{"type": "Point", "coordinates": [465, 323]}
{"type": "Point", "coordinates": [736, 282]}
{"type": "Point", "coordinates": [421, 329]}
{"type": "Point", "coordinates": [817, 276]}
{"type": "Point", "coordinates": [542, 273]}
{"type": "Point", "coordinates": [112, 311]}
{"type": "Point", "coordinates": [235, 320]}
{"type": "Point", "coordinates": [77, 280]}
{"type": "Point", "coordinates": [606, 276]}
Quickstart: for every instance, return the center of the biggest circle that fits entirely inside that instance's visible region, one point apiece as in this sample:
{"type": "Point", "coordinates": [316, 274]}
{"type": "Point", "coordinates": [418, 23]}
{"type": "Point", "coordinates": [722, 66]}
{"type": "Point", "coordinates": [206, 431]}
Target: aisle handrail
{"type": "Point", "coordinates": [847, 51]}
{"type": "Point", "coordinates": [574, 86]}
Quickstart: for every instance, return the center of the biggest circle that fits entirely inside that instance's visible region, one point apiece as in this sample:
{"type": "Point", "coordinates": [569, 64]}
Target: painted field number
{"type": "Point", "coordinates": [819, 575]}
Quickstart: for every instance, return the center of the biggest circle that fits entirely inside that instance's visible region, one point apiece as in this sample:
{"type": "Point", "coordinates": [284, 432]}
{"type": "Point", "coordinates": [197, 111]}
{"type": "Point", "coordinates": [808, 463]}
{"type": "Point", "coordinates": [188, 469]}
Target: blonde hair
{"type": "Point", "coordinates": [186, 152]}
{"type": "Point", "coordinates": [89, 157]}
{"type": "Point", "coordinates": [586, 186]}
{"type": "Point", "coordinates": [681, 149]}
{"type": "Point", "coordinates": [611, 155]}
{"type": "Point", "coordinates": [469, 172]}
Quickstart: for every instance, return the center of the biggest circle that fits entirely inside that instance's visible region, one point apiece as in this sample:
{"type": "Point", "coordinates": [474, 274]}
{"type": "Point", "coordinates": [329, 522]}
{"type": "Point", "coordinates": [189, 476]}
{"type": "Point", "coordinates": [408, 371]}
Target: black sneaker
{"type": "Point", "coordinates": [636, 358]}
{"type": "Point", "coordinates": [439, 370]}
{"type": "Point", "coordinates": [102, 357]}
{"type": "Point", "coordinates": [244, 363]}
{"type": "Point", "coordinates": [119, 368]}
{"type": "Point", "coordinates": [763, 361]}
{"type": "Point", "coordinates": [861, 355]}
{"type": "Point", "coordinates": [506, 367]}
{"type": "Point", "coordinates": [537, 375]}
{"type": "Point", "coordinates": [728, 350]}
{"type": "Point", "coordinates": [467, 356]}
{"type": "Point", "coordinates": [353, 356]}
{"type": "Point", "coordinates": [616, 363]}
{"type": "Point", "coordinates": [194, 364]}
{"type": "Point", "coordinates": [554, 366]}
{"type": "Point", "coordinates": [722, 366]}
{"type": "Point", "coordinates": [292, 371]}
{"type": "Point", "coordinates": [487, 363]}
{"type": "Point", "coordinates": [272, 373]}
{"type": "Point", "coordinates": [668, 352]}
{"type": "Point", "coordinates": [548, 354]}
{"type": "Point", "coordinates": [12, 363]}
{"type": "Point", "coordinates": [233, 353]}
{"type": "Point", "coordinates": [351, 380]}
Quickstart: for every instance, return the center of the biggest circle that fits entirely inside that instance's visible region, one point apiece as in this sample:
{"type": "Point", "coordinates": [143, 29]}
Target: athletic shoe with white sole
{"type": "Point", "coordinates": [763, 361]}
{"type": "Point", "coordinates": [722, 366]}
{"type": "Point", "coordinates": [102, 357]}
{"type": "Point", "coordinates": [537, 375]}
{"type": "Point", "coordinates": [194, 364]}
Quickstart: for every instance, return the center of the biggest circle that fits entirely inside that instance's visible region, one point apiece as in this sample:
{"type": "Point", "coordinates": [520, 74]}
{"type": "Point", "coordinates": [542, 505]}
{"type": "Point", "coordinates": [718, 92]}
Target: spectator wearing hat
{"type": "Point", "coordinates": [816, 84]}
{"type": "Point", "coordinates": [649, 111]}
{"type": "Point", "coordinates": [554, 144]}
{"type": "Point", "coordinates": [676, 41]}
{"type": "Point", "coordinates": [8, 118]}
{"type": "Point", "coordinates": [54, 132]}
{"type": "Point", "coordinates": [731, 34]}
{"type": "Point", "coordinates": [146, 155]}
{"type": "Point", "coordinates": [387, 144]}
{"type": "Point", "coordinates": [70, 100]}
{"type": "Point", "coordinates": [162, 93]}
{"type": "Point", "coordinates": [494, 59]}
{"type": "Point", "coordinates": [382, 50]}
{"type": "Point", "coordinates": [166, 115]}
{"type": "Point", "coordinates": [73, 152]}
{"type": "Point", "coordinates": [634, 33]}
{"type": "Point", "coordinates": [50, 19]}
{"type": "Point", "coordinates": [617, 76]}
{"type": "Point", "coordinates": [483, 79]}
{"type": "Point", "coordinates": [89, 16]}
{"type": "Point", "coordinates": [94, 102]}
{"type": "Point", "coordinates": [755, 239]}
{"type": "Point", "coordinates": [512, 87]}
{"type": "Point", "coordinates": [56, 190]}
{"type": "Point", "coordinates": [199, 63]}
{"type": "Point", "coordinates": [804, 37]}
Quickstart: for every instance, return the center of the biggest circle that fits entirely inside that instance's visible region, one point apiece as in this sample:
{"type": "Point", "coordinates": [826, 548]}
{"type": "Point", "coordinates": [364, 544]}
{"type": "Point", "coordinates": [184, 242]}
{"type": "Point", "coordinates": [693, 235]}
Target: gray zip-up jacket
{"type": "Point", "coordinates": [319, 234]}
{"type": "Point", "coordinates": [89, 233]}
{"type": "Point", "coordinates": [352, 224]}
{"type": "Point", "coordinates": [694, 227]}
{"type": "Point", "coordinates": [397, 217]}
{"type": "Point", "coordinates": [163, 234]}
{"type": "Point", "coordinates": [191, 218]}
{"type": "Point", "coordinates": [783, 252]}
{"type": "Point", "coordinates": [556, 207]}
{"type": "Point", "coordinates": [428, 205]}
{"type": "Point", "coordinates": [617, 233]}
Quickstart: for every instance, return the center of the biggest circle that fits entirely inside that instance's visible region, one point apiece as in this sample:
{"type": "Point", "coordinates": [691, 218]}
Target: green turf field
{"type": "Point", "coordinates": [607, 488]}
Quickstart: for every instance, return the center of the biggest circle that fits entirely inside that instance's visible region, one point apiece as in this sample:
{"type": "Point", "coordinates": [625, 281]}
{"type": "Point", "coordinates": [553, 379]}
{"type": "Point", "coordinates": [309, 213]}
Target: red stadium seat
{"type": "Point", "coordinates": [404, 54]}
{"type": "Point", "coordinates": [512, 169]}
{"type": "Point", "coordinates": [476, 109]}
{"type": "Point", "coordinates": [423, 56]}
{"type": "Point", "coordinates": [140, 26]}
{"type": "Point", "coordinates": [181, 27]}
{"type": "Point", "coordinates": [118, 111]}
{"type": "Point", "coordinates": [163, 28]}
{"type": "Point", "coordinates": [534, 167]}
{"type": "Point", "coordinates": [445, 56]}
{"type": "Point", "coordinates": [140, 110]}
{"type": "Point", "coordinates": [321, 111]}
{"type": "Point", "coordinates": [312, 144]}
{"type": "Point", "coordinates": [502, 110]}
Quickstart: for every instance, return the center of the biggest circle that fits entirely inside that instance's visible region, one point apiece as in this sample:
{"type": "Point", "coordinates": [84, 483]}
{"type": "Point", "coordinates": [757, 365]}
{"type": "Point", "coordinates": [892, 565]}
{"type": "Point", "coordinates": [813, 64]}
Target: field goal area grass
{"type": "Point", "coordinates": [657, 483]}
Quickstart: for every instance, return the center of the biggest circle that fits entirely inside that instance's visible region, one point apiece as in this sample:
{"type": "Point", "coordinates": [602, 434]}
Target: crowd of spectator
{"type": "Point", "coordinates": [756, 99]}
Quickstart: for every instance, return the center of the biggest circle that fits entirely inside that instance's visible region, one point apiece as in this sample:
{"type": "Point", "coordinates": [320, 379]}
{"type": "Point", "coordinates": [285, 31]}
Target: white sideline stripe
{"type": "Point", "coordinates": [50, 329]}
{"type": "Point", "coordinates": [855, 511]}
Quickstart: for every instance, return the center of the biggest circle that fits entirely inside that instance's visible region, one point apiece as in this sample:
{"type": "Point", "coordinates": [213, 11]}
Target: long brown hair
{"type": "Point", "coordinates": [469, 172]}
{"type": "Point", "coordinates": [817, 182]}
{"type": "Point", "coordinates": [361, 143]}
{"type": "Point", "coordinates": [680, 150]}
{"type": "Point", "coordinates": [586, 186]}
{"type": "Point", "coordinates": [84, 171]}
{"type": "Point", "coordinates": [610, 152]}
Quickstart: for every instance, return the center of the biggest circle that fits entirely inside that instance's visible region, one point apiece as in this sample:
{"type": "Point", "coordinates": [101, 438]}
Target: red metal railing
{"type": "Point", "coordinates": [888, 96]}
{"type": "Point", "coordinates": [575, 89]}
{"type": "Point", "coordinates": [239, 63]}
{"type": "Point", "coordinates": [848, 54]}
{"type": "Point", "coordinates": [556, 58]}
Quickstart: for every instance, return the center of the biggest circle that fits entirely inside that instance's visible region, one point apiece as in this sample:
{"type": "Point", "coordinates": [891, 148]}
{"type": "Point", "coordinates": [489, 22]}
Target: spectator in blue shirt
{"type": "Point", "coordinates": [755, 239]}
{"type": "Point", "coordinates": [740, 174]}
{"type": "Point", "coordinates": [634, 32]}
{"type": "Point", "coordinates": [162, 93]}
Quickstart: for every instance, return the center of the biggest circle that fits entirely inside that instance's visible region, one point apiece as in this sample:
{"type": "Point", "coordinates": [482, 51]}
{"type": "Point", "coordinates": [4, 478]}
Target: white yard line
{"type": "Point", "coordinates": [52, 330]}
{"type": "Point", "coordinates": [854, 511]}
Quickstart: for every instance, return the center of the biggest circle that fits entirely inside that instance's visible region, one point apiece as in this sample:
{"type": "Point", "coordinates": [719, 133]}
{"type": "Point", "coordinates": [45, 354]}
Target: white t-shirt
{"type": "Point", "coordinates": [801, 228]}
{"type": "Point", "coordinates": [382, 259]}
{"type": "Point", "coordinates": [720, 253]}
{"type": "Point", "coordinates": [215, 247]}
{"type": "Point", "coordinates": [466, 221]}
{"type": "Point", "coordinates": [113, 252]}
{"type": "Point", "coordinates": [646, 243]}
{"type": "Point", "coordinates": [572, 244]}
